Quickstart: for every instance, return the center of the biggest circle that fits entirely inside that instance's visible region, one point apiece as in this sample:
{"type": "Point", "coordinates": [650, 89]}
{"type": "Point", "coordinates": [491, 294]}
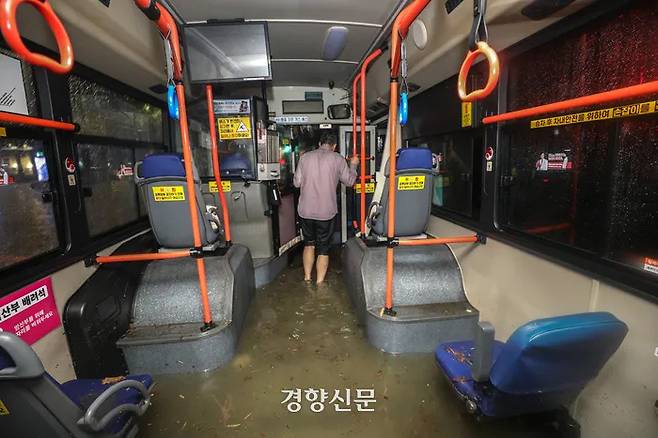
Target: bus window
{"type": "Point", "coordinates": [104, 112]}
{"type": "Point", "coordinates": [106, 173]}
{"type": "Point", "coordinates": [116, 130]}
{"type": "Point", "coordinates": [458, 171]}
{"type": "Point", "coordinates": [587, 179]}
{"type": "Point", "coordinates": [27, 219]}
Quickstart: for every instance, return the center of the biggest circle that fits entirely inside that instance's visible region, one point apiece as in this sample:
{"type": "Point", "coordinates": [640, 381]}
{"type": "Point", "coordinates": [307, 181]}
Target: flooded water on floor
{"type": "Point", "coordinates": [300, 336]}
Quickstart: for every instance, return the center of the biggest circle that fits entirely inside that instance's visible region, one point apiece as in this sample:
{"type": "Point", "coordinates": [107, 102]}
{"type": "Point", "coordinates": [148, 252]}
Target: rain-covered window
{"type": "Point", "coordinates": [458, 171]}
{"type": "Point", "coordinates": [27, 218]}
{"type": "Point", "coordinates": [103, 112]}
{"type": "Point", "coordinates": [587, 178]}
{"type": "Point", "coordinates": [116, 131]}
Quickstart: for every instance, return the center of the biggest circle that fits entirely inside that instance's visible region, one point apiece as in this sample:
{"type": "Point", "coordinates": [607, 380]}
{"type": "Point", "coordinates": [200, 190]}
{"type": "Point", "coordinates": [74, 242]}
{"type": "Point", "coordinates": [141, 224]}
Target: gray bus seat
{"type": "Point", "coordinates": [414, 183]}
{"type": "Point", "coordinates": [161, 178]}
{"type": "Point", "coordinates": [33, 404]}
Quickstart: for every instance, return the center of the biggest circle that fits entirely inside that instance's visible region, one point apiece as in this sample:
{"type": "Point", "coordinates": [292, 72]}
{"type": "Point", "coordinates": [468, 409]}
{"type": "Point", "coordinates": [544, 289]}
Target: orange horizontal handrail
{"type": "Point", "coordinates": [439, 241]}
{"type": "Point", "coordinates": [143, 257]}
{"type": "Point", "coordinates": [565, 105]}
{"type": "Point", "coordinates": [36, 121]}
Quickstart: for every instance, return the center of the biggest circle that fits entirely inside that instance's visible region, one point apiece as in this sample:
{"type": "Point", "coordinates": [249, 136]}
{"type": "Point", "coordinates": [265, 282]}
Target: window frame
{"type": "Point", "coordinates": [75, 243]}
{"type": "Point", "coordinates": [581, 261]}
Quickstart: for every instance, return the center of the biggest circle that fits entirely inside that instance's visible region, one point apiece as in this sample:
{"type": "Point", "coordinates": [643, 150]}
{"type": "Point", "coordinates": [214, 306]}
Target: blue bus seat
{"type": "Point", "coordinates": [169, 214]}
{"type": "Point", "coordinates": [543, 366]}
{"type": "Point", "coordinates": [414, 201]}
{"type": "Point", "coordinates": [38, 405]}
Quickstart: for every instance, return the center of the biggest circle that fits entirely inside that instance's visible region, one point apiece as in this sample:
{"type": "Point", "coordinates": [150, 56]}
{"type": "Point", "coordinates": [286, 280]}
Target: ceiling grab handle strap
{"type": "Point", "coordinates": [404, 89]}
{"type": "Point", "coordinates": [12, 36]}
{"type": "Point", "coordinates": [172, 97]}
{"type": "Point", "coordinates": [478, 45]}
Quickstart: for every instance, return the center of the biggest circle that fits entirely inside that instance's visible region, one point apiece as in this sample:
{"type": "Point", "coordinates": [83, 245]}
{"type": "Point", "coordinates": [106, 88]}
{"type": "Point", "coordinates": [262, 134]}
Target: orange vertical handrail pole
{"type": "Point", "coordinates": [362, 199]}
{"type": "Point", "coordinates": [37, 121]}
{"type": "Point", "coordinates": [167, 27]}
{"type": "Point", "coordinates": [355, 111]}
{"type": "Point", "coordinates": [215, 163]}
{"type": "Point", "coordinates": [191, 191]}
{"type": "Point", "coordinates": [390, 232]}
{"type": "Point", "coordinates": [399, 32]}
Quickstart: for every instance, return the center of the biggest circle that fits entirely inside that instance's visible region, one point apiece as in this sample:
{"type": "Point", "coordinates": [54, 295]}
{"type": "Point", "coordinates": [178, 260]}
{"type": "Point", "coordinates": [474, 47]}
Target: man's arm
{"type": "Point", "coordinates": [299, 175]}
{"type": "Point", "coordinates": [347, 173]}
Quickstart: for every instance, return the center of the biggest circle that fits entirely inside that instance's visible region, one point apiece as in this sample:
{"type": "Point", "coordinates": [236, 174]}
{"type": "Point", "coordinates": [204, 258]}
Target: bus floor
{"type": "Point", "coordinates": [300, 336]}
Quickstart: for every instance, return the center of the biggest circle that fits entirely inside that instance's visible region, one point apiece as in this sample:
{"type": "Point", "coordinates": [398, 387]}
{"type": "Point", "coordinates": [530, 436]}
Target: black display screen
{"type": "Point", "coordinates": [220, 52]}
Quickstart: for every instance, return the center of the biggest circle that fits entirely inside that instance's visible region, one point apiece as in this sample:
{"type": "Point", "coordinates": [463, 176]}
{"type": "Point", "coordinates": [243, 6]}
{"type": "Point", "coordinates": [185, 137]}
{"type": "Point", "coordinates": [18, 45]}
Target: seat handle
{"type": "Point", "coordinates": [90, 419]}
{"type": "Point", "coordinates": [27, 363]}
{"type": "Point", "coordinates": [11, 33]}
{"type": "Point", "coordinates": [483, 355]}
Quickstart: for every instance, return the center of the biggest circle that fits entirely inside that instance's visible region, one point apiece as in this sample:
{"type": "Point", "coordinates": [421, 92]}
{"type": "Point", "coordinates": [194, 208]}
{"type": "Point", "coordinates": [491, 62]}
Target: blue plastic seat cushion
{"type": "Point", "coordinates": [455, 359]}
{"type": "Point", "coordinates": [414, 158]}
{"type": "Point", "coordinates": [162, 165]}
{"type": "Point", "coordinates": [84, 391]}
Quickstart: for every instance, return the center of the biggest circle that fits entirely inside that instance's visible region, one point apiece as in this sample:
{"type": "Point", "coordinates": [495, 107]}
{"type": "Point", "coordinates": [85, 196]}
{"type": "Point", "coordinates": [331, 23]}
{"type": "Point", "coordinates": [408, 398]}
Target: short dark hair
{"type": "Point", "coordinates": [329, 138]}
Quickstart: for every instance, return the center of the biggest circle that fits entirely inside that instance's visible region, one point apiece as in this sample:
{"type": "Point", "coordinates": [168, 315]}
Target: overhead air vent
{"type": "Point", "coordinates": [540, 9]}
{"type": "Point", "coordinates": [334, 42]}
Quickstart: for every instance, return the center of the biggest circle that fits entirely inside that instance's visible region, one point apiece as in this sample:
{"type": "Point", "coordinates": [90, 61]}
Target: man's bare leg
{"type": "Point", "coordinates": [322, 266]}
{"type": "Point", "coordinates": [309, 259]}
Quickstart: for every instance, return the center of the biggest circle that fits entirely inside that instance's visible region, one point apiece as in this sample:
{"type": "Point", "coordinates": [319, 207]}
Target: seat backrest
{"type": "Point", "coordinates": [557, 354]}
{"type": "Point", "coordinates": [33, 402]}
{"type": "Point", "coordinates": [413, 199]}
{"type": "Point", "coordinates": [161, 178]}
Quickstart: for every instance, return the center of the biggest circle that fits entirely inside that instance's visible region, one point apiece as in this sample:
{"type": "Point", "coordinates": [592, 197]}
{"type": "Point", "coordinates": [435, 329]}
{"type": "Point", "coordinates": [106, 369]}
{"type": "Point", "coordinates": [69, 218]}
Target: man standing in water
{"type": "Point", "coordinates": [317, 175]}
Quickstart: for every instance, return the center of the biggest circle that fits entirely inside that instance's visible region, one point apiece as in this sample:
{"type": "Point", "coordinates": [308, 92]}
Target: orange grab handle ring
{"type": "Point", "coordinates": [494, 73]}
{"type": "Point", "coordinates": [12, 36]}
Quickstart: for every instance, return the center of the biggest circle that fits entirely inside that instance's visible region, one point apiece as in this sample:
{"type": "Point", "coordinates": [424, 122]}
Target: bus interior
{"type": "Point", "coordinates": [493, 270]}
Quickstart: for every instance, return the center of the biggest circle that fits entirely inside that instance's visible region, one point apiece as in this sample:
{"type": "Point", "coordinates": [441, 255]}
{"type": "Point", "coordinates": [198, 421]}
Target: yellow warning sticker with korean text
{"type": "Point", "coordinates": [411, 182]}
{"type": "Point", "coordinates": [370, 187]}
{"type": "Point", "coordinates": [3, 132]}
{"type": "Point", "coordinates": [168, 193]}
{"type": "Point", "coordinates": [234, 128]}
{"type": "Point", "coordinates": [3, 409]}
{"type": "Point", "coordinates": [226, 186]}
{"type": "Point", "coordinates": [467, 114]}
{"type": "Point", "coordinates": [635, 109]}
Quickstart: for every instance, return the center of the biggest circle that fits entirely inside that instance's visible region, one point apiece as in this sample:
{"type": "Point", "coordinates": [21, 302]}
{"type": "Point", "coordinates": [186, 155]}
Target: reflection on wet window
{"type": "Point", "coordinates": [596, 58]}
{"type": "Point", "coordinates": [106, 174]}
{"type": "Point", "coordinates": [103, 112]}
{"type": "Point", "coordinates": [27, 220]}
{"type": "Point", "coordinates": [455, 181]}
{"type": "Point", "coordinates": [593, 186]}
{"type": "Point", "coordinates": [200, 145]}
{"type": "Point", "coordinates": [140, 153]}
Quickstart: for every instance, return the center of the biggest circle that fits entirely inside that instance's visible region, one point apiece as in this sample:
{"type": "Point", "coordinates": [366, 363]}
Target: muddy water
{"type": "Point", "coordinates": [299, 336]}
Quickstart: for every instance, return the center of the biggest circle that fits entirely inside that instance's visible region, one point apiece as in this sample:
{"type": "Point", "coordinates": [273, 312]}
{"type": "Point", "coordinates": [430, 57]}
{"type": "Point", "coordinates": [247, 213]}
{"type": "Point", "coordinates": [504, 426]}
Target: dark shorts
{"type": "Point", "coordinates": [318, 234]}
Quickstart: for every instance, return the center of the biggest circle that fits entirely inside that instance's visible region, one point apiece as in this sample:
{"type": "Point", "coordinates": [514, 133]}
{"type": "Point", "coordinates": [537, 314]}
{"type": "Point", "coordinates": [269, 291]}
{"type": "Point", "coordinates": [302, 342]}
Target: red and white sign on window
{"type": "Point", "coordinates": [651, 265]}
{"type": "Point", "coordinates": [30, 313]}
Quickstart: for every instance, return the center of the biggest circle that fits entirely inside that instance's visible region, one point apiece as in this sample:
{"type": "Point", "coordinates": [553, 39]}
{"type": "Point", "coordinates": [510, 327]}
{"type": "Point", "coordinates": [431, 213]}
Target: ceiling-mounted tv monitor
{"type": "Point", "coordinates": [227, 52]}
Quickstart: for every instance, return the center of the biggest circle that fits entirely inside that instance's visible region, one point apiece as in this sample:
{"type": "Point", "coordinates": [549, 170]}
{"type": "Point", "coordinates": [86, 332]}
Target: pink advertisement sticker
{"type": "Point", "coordinates": [30, 312]}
